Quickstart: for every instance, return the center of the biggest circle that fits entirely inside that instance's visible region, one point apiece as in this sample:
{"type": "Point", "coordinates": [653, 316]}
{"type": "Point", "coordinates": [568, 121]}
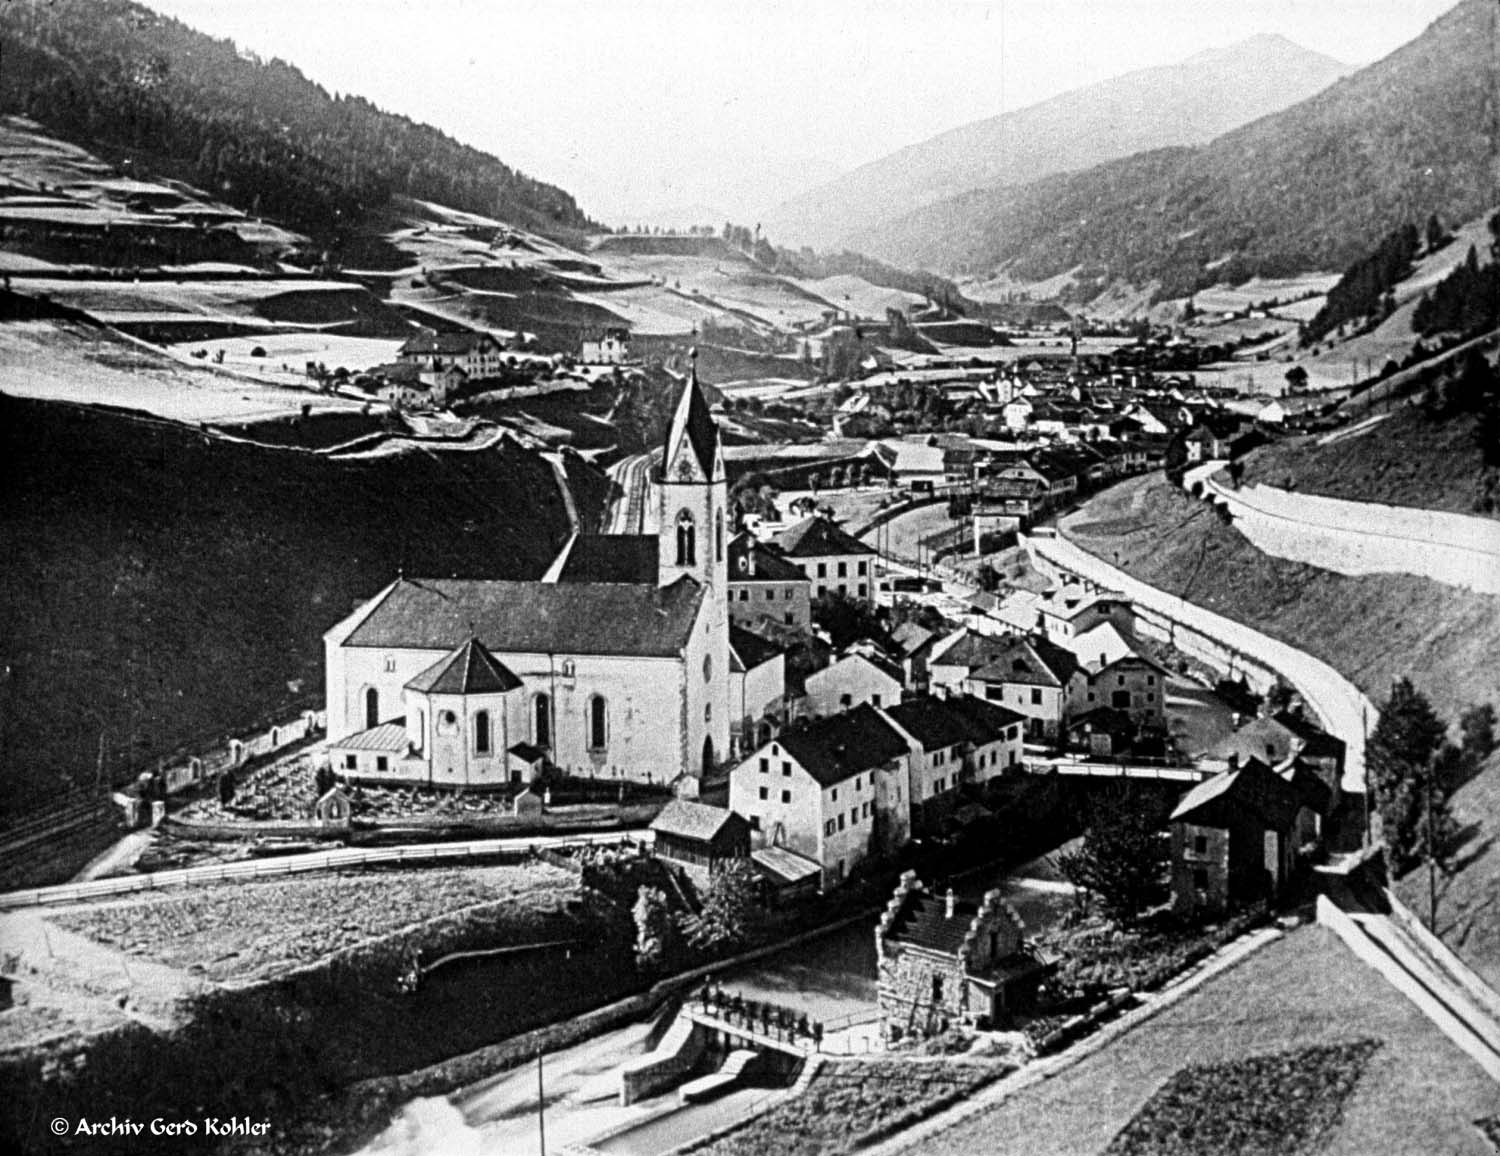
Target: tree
{"type": "Point", "coordinates": [848, 619]}
{"type": "Point", "coordinates": [1477, 725]}
{"type": "Point", "coordinates": [226, 788]}
{"type": "Point", "coordinates": [1123, 856]}
{"type": "Point", "coordinates": [1296, 378]}
{"type": "Point", "coordinates": [1280, 695]}
{"type": "Point", "coordinates": [1400, 759]}
{"type": "Point", "coordinates": [654, 929]}
{"type": "Point", "coordinates": [730, 914]}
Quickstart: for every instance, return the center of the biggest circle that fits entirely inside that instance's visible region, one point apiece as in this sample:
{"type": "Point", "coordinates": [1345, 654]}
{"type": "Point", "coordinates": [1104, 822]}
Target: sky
{"type": "Point", "coordinates": [677, 112]}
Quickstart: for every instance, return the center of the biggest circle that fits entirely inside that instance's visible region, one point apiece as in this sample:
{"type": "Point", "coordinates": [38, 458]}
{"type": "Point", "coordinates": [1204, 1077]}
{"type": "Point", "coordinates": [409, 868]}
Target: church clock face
{"type": "Point", "coordinates": [685, 471]}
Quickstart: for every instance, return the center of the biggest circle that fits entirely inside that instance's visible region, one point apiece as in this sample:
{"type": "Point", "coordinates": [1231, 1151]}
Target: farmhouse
{"type": "Point", "coordinates": [857, 677]}
{"type": "Point", "coordinates": [616, 665]}
{"type": "Point", "coordinates": [955, 740]}
{"type": "Point", "coordinates": [1234, 838]}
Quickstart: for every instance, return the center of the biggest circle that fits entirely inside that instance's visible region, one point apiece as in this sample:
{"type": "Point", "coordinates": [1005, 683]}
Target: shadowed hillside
{"type": "Point", "coordinates": [159, 586]}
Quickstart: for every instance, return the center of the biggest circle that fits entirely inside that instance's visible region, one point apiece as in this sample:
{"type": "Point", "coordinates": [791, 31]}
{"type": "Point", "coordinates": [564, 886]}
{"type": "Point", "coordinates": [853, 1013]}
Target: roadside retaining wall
{"type": "Point", "coordinates": [1366, 537]}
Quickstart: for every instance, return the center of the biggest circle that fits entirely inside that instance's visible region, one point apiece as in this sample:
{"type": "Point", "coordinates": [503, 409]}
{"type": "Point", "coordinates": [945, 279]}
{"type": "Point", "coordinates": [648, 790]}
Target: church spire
{"type": "Point", "coordinates": [692, 431]}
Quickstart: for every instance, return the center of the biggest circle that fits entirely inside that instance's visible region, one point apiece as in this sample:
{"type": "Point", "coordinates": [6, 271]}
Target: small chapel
{"type": "Point", "coordinates": [615, 664]}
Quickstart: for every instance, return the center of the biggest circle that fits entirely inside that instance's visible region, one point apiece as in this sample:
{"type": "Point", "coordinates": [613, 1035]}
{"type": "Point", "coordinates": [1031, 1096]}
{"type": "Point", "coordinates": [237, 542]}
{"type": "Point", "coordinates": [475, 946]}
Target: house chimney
{"type": "Point", "coordinates": [948, 905]}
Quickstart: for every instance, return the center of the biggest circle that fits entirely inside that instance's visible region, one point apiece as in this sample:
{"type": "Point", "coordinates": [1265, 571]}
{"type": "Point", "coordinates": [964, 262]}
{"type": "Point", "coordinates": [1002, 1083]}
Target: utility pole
{"type": "Point", "coordinates": [1431, 858]}
{"type": "Point", "coordinates": [541, 1115]}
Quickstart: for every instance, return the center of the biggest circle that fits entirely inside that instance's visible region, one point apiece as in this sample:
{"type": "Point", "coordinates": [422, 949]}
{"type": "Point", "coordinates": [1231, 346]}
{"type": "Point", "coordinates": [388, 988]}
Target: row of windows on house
{"type": "Point", "coordinates": [861, 569]}
{"type": "Point", "coordinates": [837, 822]}
{"type": "Point", "coordinates": [788, 594]}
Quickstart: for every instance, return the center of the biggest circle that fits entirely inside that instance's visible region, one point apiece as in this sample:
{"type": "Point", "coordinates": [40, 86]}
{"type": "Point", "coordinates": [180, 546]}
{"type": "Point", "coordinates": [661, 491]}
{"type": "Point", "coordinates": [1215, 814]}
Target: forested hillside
{"type": "Point", "coordinates": [129, 82]}
{"type": "Point", "coordinates": [1310, 188]}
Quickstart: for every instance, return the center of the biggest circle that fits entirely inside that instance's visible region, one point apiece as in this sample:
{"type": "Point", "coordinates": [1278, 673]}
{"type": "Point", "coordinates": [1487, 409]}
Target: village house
{"type": "Point", "coordinates": [834, 791]}
{"type": "Point", "coordinates": [699, 838]}
{"type": "Point", "coordinates": [1132, 684]}
{"type": "Point", "coordinates": [1234, 839]}
{"type": "Point", "coordinates": [944, 962]}
{"type": "Point", "coordinates": [477, 354]}
{"type": "Point", "coordinates": [1035, 678]}
{"type": "Point", "coordinates": [913, 646]}
{"type": "Point", "coordinates": [955, 740]}
{"type": "Point", "coordinates": [1070, 611]}
{"type": "Point", "coordinates": [764, 584]}
{"type": "Point", "coordinates": [833, 560]}
{"type": "Point", "coordinates": [856, 677]}
{"type": "Point", "coordinates": [611, 348]}
{"type": "Point", "coordinates": [953, 658]}
{"type": "Point", "coordinates": [1284, 737]}
{"type": "Point", "coordinates": [616, 665]}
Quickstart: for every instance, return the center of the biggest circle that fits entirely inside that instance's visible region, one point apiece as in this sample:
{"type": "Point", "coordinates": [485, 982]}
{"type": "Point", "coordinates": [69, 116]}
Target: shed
{"type": "Point", "coordinates": [698, 835]}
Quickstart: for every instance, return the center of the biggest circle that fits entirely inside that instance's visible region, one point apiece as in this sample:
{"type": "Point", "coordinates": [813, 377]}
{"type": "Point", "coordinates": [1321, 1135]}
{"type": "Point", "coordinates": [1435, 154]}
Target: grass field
{"type": "Point", "coordinates": [256, 929]}
{"type": "Point", "coordinates": [1418, 1093]}
{"type": "Point", "coordinates": [1276, 1105]}
{"type": "Point", "coordinates": [846, 1102]}
{"type": "Point", "coordinates": [1406, 460]}
{"type": "Point", "coordinates": [61, 361]}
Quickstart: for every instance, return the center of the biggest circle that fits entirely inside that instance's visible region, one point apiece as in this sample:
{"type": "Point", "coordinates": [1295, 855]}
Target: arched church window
{"type": "Point", "coordinates": [372, 708]}
{"type": "Point", "coordinates": [482, 733]}
{"type": "Point", "coordinates": [719, 537]}
{"type": "Point", "coordinates": [541, 731]}
{"type": "Point", "coordinates": [686, 545]}
{"type": "Point", "coordinates": [598, 723]}
{"type": "Point", "coordinates": [708, 668]}
{"type": "Point", "coordinates": [569, 668]}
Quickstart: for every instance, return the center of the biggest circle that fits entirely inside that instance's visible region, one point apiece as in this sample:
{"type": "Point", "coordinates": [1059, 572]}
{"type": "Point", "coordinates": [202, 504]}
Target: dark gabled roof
{"type": "Point", "coordinates": [751, 649]}
{"type": "Point", "coordinates": [1316, 742]}
{"type": "Point", "coordinates": [844, 745]}
{"type": "Point", "coordinates": [931, 722]}
{"type": "Point", "coordinates": [689, 820]}
{"type": "Point", "coordinates": [471, 669]}
{"type": "Point", "coordinates": [819, 538]}
{"type": "Point", "coordinates": [974, 650]}
{"type": "Point", "coordinates": [985, 720]}
{"type": "Point", "coordinates": [1103, 718]}
{"type": "Point", "coordinates": [694, 419]}
{"type": "Point", "coordinates": [938, 723]}
{"type": "Point", "coordinates": [1311, 790]}
{"type": "Point", "coordinates": [770, 566]}
{"type": "Point", "coordinates": [910, 638]}
{"type": "Point", "coordinates": [924, 922]}
{"type": "Point", "coordinates": [451, 344]}
{"type": "Point", "coordinates": [612, 558]}
{"type": "Point", "coordinates": [1030, 661]}
{"type": "Point", "coordinates": [1253, 787]}
{"type": "Point", "coordinates": [528, 753]}
{"type": "Point", "coordinates": [533, 617]}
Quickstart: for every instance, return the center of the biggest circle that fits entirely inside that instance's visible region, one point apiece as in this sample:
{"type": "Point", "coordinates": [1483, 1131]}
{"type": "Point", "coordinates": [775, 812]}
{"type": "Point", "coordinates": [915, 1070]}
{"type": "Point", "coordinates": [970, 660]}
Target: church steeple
{"type": "Point", "coordinates": [693, 493]}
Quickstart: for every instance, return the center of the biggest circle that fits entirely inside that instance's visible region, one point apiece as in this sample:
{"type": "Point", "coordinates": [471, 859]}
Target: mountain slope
{"type": "Point", "coordinates": [117, 76]}
{"type": "Point", "coordinates": [1186, 103]}
{"type": "Point", "coordinates": [1306, 188]}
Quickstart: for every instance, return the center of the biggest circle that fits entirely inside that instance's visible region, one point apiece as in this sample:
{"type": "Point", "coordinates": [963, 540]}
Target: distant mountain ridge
{"type": "Point", "coordinates": [1179, 104]}
{"type": "Point", "coordinates": [1311, 187]}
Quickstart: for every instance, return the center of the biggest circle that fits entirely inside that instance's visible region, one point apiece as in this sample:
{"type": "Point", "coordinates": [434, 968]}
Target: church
{"type": "Point", "coordinates": [616, 664]}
